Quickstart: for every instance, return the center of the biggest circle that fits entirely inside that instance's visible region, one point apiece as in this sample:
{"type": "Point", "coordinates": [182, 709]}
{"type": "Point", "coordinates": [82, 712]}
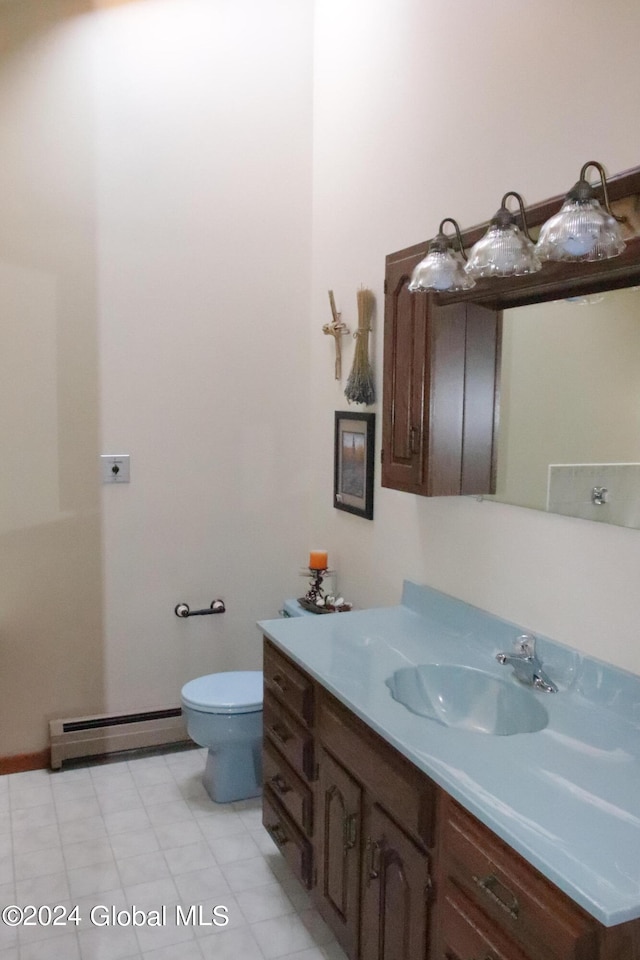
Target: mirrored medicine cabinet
{"type": "Point", "coordinates": [524, 390]}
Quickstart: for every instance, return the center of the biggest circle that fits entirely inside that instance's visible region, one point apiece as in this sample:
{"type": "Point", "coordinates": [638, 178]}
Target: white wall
{"type": "Point", "coordinates": [203, 136]}
{"type": "Point", "coordinates": [51, 585]}
{"type": "Point", "coordinates": [155, 262]}
{"type": "Point", "coordinates": [427, 110]}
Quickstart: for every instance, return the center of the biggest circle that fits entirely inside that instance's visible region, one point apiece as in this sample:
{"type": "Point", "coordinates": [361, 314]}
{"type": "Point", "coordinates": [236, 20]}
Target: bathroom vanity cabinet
{"type": "Point", "coordinates": [398, 869]}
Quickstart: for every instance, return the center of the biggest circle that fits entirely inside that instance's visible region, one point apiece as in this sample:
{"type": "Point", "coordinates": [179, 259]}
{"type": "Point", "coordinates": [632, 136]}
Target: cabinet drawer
{"type": "Point", "coordinates": [510, 891]}
{"type": "Point", "coordinates": [293, 846]}
{"type": "Point", "coordinates": [466, 934]}
{"type": "Point", "coordinates": [288, 684]}
{"type": "Point", "coordinates": [290, 738]}
{"type": "Point", "coordinates": [404, 791]}
{"type": "Point", "coordinates": [294, 795]}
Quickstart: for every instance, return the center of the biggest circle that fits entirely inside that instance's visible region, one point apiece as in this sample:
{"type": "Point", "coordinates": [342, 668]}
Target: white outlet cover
{"type": "Point", "coordinates": [115, 467]}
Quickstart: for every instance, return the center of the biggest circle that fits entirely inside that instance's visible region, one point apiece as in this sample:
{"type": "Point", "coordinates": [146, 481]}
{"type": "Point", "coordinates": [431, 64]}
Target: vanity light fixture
{"type": "Point", "coordinates": [442, 268]}
{"type": "Point", "coordinates": [582, 229]}
{"type": "Point", "coordinates": [505, 250]}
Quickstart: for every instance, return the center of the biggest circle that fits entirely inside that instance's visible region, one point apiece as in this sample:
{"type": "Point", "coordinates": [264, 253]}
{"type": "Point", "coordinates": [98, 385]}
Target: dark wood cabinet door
{"type": "Point", "coordinates": [337, 892]}
{"type": "Point", "coordinates": [405, 382]}
{"type": "Point", "coordinates": [396, 887]}
{"type": "Point", "coordinates": [463, 343]}
{"type": "Point", "coordinates": [440, 391]}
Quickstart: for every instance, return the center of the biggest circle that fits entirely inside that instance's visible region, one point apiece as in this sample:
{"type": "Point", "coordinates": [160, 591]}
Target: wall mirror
{"type": "Point", "coordinates": [568, 435]}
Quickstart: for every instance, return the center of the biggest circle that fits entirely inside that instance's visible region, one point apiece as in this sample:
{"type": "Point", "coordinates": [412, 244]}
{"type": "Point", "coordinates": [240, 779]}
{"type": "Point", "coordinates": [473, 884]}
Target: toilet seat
{"type": "Point", "coordinates": [236, 691]}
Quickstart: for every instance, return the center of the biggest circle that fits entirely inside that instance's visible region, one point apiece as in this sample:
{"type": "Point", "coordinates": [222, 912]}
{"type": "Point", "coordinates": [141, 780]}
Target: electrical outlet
{"type": "Point", "coordinates": [115, 467]}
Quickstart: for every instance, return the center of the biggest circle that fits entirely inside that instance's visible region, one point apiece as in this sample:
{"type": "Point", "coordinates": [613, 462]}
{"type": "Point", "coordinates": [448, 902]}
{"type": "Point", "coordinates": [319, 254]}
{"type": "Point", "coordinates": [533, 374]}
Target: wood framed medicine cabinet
{"type": "Point", "coordinates": [441, 371]}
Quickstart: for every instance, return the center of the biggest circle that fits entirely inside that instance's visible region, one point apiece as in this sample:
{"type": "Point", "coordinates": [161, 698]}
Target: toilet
{"type": "Point", "coordinates": [223, 712]}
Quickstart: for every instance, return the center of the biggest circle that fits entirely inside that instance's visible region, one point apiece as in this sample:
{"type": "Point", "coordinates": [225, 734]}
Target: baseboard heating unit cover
{"type": "Point", "coordinates": [110, 733]}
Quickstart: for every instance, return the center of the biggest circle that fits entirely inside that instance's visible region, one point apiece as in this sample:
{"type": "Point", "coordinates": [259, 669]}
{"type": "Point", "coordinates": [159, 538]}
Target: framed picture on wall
{"type": "Point", "coordinates": [353, 463]}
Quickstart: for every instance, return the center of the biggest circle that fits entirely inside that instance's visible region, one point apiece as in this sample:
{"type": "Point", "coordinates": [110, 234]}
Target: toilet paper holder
{"type": "Point", "coordinates": [182, 609]}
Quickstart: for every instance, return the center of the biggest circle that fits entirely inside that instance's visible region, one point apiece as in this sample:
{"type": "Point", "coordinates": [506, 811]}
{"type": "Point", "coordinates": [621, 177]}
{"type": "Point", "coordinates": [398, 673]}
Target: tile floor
{"type": "Point", "coordinates": [143, 832]}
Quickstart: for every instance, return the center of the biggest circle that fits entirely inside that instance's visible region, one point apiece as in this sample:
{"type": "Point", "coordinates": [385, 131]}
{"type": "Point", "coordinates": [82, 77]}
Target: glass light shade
{"type": "Point", "coordinates": [581, 230]}
{"type": "Point", "coordinates": [504, 251]}
{"type": "Point", "coordinates": [442, 270]}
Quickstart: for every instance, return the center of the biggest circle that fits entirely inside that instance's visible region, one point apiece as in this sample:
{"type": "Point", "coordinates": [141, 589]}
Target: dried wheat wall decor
{"type": "Point", "coordinates": [360, 386]}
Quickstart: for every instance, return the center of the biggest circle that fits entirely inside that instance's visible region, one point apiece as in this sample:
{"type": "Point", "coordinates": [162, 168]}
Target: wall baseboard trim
{"type": "Point", "coordinates": [25, 761]}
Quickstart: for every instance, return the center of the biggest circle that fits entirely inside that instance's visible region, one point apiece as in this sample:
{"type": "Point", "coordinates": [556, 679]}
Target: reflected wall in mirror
{"type": "Point", "coordinates": [570, 407]}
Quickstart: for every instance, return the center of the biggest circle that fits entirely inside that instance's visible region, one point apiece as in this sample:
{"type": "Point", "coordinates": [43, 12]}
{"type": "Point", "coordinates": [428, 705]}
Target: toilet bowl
{"type": "Point", "coordinates": [223, 712]}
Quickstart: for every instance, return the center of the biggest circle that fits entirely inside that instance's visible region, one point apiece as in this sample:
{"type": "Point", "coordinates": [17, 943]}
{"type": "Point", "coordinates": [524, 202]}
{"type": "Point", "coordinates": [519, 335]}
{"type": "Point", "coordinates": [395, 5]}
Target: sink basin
{"type": "Point", "coordinates": [469, 699]}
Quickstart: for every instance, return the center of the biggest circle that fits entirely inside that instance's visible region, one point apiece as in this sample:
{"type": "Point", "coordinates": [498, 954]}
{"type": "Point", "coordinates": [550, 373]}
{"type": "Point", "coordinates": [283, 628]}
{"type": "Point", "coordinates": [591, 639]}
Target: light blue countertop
{"type": "Point", "coordinates": [567, 797]}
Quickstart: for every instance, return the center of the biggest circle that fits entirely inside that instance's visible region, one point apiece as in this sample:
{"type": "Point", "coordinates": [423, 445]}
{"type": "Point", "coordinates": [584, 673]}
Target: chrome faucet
{"type": "Point", "coordinates": [526, 665]}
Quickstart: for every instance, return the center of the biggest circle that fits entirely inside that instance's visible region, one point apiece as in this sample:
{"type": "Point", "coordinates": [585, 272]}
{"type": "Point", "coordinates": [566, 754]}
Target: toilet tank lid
{"type": "Point", "coordinates": [235, 691]}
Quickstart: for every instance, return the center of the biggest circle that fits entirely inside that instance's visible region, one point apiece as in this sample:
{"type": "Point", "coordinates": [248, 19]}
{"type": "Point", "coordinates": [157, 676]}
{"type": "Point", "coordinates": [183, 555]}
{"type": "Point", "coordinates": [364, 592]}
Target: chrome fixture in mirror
{"type": "Point", "coordinates": [582, 229]}
{"type": "Point", "coordinates": [442, 269]}
{"type": "Point", "coordinates": [505, 250]}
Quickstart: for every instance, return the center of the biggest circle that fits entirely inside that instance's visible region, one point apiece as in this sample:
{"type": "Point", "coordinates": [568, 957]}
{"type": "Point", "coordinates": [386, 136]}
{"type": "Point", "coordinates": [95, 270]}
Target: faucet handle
{"type": "Point", "coordinates": [525, 644]}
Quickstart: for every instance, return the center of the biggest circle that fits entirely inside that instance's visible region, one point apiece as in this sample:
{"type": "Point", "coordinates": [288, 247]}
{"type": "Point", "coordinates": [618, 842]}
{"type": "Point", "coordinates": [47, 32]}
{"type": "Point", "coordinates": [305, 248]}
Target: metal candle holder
{"type": "Point", "coordinates": [315, 587]}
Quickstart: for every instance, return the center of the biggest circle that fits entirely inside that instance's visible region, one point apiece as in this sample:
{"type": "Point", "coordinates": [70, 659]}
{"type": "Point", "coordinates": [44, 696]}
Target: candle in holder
{"type": "Point", "coordinates": [318, 560]}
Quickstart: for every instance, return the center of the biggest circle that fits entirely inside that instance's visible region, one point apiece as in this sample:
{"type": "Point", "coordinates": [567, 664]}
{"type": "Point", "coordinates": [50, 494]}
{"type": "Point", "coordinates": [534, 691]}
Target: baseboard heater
{"type": "Point", "coordinates": [81, 737]}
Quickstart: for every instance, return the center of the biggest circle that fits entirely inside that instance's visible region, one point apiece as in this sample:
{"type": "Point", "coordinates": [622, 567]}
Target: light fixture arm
{"type": "Point", "coordinates": [584, 191]}
{"type": "Point", "coordinates": [448, 239]}
{"type": "Point", "coordinates": [504, 213]}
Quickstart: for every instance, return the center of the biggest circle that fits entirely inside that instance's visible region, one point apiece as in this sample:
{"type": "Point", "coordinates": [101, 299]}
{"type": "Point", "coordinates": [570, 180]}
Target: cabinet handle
{"type": "Point", "coordinates": [428, 889]}
{"type": "Point", "coordinates": [278, 834]}
{"type": "Point", "coordinates": [373, 851]}
{"type": "Point", "coordinates": [349, 832]}
{"type": "Point", "coordinates": [491, 886]}
{"type": "Point", "coordinates": [413, 446]}
{"type": "Point", "coordinates": [279, 682]}
{"type": "Point", "coordinates": [280, 783]}
{"type": "Point", "coordinates": [280, 733]}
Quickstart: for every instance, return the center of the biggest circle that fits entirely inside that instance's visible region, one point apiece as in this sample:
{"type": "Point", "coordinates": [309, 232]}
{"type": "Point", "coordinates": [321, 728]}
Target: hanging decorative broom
{"type": "Point", "coordinates": [360, 387]}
